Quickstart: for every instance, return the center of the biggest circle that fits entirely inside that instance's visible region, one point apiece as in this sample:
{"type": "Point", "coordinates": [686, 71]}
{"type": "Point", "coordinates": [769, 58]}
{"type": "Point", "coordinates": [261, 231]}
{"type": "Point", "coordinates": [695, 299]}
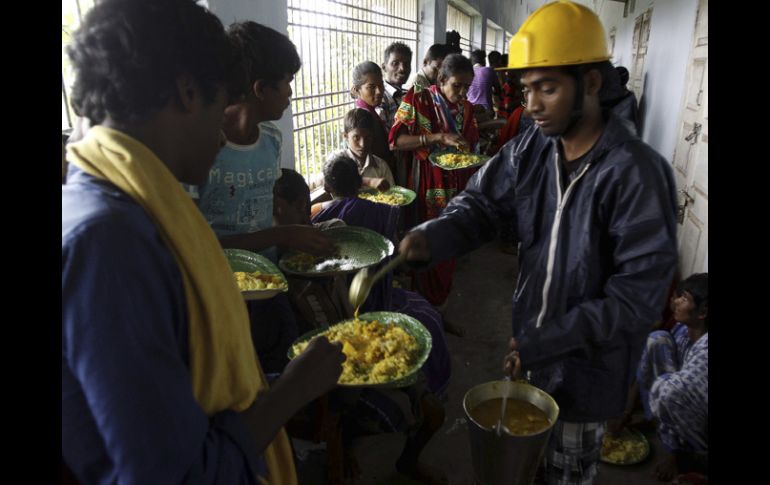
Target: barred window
{"type": "Point", "coordinates": [494, 37]}
{"type": "Point", "coordinates": [332, 37]}
{"type": "Point", "coordinates": [460, 21]}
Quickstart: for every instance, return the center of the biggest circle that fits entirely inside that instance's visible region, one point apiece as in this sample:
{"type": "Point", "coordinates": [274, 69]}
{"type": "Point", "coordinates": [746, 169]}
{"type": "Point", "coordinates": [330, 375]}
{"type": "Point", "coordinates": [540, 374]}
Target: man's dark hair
{"type": "Point", "coordinates": [265, 53]}
{"type": "Point", "coordinates": [453, 42]}
{"type": "Point", "coordinates": [436, 52]}
{"type": "Point", "coordinates": [291, 187]}
{"type": "Point", "coordinates": [494, 58]}
{"type": "Point", "coordinates": [454, 64]}
{"type": "Point", "coordinates": [399, 47]}
{"type": "Point", "coordinates": [341, 176]}
{"type": "Point", "coordinates": [128, 54]}
{"type": "Point", "coordinates": [479, 57]}
{"type": "Point", "coordinates": [605, 69]}
{"type": "Point", "coordinates": [623, 73]}
{"type": "Point", "coordinates": [697, 285]}
{"type": "Point", "coordinates": [359, 119]}
{"type": "Point", "coordinates": [612, 90]}
{"type": "Point", "coordinates": [362, 70]}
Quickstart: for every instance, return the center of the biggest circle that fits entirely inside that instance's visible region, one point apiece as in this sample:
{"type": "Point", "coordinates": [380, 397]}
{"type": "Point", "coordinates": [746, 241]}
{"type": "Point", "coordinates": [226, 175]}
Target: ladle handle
{"type": "Point", "coordinates": [401, 258]}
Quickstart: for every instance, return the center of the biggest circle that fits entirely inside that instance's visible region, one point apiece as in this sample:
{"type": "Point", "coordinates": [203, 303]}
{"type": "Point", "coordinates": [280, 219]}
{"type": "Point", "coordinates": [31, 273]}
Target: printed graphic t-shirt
{"type": "Point", "coordinates": [238, 197]}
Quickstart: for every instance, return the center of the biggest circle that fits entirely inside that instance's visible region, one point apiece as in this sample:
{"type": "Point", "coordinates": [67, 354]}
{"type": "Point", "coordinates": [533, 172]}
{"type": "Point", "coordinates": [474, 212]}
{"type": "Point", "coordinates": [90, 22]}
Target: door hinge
{"type": "Point", "coordinates": [685, 199]}
{"type": "Point", "coordinates": [693, 136]}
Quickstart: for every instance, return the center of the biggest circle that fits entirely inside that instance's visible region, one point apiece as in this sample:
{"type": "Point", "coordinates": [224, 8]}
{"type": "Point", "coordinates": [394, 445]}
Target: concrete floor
{"type": "Point", "coordinates": [481, 303]}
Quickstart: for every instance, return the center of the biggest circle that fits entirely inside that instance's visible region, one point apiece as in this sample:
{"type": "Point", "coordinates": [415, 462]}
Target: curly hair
{"type": "Point", "coordinates": [341, 176]}
{"type": "Point", "coordinates": [265, 53]}
{"type": "Point", "coordinates": [399, 47]}
{"type": "Point", "coordinates": [128, 54]}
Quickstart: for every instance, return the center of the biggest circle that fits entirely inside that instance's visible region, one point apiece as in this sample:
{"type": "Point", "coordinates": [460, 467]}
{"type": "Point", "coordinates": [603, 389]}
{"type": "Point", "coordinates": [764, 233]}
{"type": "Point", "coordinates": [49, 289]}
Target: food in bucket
{"type": "Point", "coordinates": [375, 353]}
{"type": "Point", "coordinates": [258, 281]}
{"type": "Point", "coordinates": [392, 198]}
{"type": "Point", "coordinates": [521, 417]}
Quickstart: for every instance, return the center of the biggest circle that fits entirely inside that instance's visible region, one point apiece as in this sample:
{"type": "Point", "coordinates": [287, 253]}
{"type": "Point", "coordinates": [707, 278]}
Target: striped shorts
{"type": "Point", "coordinates": [572, 455]}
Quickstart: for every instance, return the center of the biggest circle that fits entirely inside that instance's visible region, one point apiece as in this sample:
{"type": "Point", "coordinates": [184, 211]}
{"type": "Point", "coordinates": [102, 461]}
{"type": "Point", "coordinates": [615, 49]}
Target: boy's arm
{"type": "Point", "coordinates": [472, 217]}
{"type": "Point", "coordinates": [302, 238]}
{"type": "Point", "coordinates": [378, 183]}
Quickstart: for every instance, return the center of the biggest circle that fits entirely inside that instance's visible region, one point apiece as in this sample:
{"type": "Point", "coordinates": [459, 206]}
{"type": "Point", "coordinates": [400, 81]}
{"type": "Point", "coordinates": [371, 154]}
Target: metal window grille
{"type": "Point", "coordinates": [72, 12]}
{"type": "Point", "coordinates": [460, 21]}
{"type": "Point", "coordinates": [332, 37]}
{"type": "Point", "coordinates": [493, 35]}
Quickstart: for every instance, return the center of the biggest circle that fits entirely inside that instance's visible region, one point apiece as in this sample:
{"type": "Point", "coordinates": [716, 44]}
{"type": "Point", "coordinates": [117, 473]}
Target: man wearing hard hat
{"type": "Point", "coordinates": [595, 208]}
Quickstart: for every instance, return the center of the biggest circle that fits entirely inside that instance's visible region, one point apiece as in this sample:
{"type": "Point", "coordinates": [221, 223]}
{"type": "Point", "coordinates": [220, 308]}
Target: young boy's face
{"type": "Point", "coordinates": [286, 212]}
{"type": "Point", "coordinates": [683, 306]}
{"type": "Point", "coordinates": [276, 97]}
{"type": "Point", "coordinates": [431, 69]}
{"type": "Point", "coordinates": [359, 141]}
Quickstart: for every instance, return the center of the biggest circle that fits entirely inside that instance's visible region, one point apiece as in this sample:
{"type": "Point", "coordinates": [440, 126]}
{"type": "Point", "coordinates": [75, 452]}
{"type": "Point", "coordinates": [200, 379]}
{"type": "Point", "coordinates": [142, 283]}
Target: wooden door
{"type": "Point", "coordinates": [691, 155]}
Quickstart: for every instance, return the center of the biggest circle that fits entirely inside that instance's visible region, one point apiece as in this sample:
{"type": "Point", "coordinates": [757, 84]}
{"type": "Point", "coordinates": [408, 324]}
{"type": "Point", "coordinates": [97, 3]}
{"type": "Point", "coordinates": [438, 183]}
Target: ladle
{"type": "Point", "coordinates": [362, 283]}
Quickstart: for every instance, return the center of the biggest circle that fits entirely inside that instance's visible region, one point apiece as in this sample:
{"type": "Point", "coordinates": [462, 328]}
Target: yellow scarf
{"type": "Point", "coordinates": [225, 372]}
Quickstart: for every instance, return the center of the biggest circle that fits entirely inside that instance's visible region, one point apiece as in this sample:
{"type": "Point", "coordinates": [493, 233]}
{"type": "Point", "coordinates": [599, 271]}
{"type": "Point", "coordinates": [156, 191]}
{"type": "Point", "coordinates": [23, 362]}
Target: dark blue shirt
{"type": "Point", "coordinates": [128, 410]}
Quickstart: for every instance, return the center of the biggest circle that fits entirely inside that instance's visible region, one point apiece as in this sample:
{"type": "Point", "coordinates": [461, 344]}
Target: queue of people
{"type": "Point", "coordinates": [174, 379]}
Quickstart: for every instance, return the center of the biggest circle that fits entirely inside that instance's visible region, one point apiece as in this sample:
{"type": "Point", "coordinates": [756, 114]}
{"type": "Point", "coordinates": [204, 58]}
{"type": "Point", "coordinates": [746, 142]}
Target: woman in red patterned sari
{"type": "Point", "coordinates": [428, 120]}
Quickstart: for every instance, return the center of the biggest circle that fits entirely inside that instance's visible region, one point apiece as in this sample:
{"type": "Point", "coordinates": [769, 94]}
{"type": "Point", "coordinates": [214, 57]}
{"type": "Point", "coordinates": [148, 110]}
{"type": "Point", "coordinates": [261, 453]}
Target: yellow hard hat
{"type": "Point", "coordinates": [559, 33]}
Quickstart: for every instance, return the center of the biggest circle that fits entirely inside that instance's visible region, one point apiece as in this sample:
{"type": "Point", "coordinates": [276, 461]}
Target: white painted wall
{"type": "Point", "coordinates": [671, 31]}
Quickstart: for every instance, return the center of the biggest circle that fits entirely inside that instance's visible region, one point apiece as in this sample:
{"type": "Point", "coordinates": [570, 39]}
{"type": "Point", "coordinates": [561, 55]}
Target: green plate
{"type": "Point", "coordinates": [434, 159]}
{"type": "Point", "coordinates": [408, 195]}
{"type": "Point", "coordinates": [409, 324]}
{"type": "Point", "coordinates": [357, 247]}
{"type": "Point", "coordinates": [242, 260]}
{"type": "Point", "coordinates": [629, 434]}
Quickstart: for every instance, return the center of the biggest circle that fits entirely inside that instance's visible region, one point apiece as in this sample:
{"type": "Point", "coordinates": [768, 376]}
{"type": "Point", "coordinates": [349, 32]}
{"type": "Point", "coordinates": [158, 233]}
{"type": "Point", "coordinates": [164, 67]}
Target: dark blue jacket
{"type": "Point", "coordinates": [595, 261]}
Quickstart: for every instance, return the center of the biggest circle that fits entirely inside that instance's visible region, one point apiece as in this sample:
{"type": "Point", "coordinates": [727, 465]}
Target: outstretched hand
{"type": "Point", "coordinates": [317, 368]}
{"type": "Point", "coordinates": [308, 239]}
{"type": "Point", "coordinates": [381, 184]}
{"type": "Point", "coordinates": [415, 246]}
{"type": "Point", "coordinates": [454, 140]}
{"type": "Point", "coordinates": [512, 361]}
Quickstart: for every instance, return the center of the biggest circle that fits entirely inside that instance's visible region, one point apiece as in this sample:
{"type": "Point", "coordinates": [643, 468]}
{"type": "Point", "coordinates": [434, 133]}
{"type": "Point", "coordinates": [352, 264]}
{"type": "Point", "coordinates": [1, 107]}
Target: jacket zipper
{"type": "Point", "coordinates": [561, 203]}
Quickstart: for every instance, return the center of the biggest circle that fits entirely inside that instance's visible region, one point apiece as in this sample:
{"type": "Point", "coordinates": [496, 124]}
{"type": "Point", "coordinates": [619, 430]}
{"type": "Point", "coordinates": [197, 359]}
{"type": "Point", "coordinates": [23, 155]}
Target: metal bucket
{"type": "Point", "coordinates": [507, 459]}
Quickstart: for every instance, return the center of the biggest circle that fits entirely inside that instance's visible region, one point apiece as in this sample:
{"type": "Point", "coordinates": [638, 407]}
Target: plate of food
{"type": "Point", "coordinates": [394, 196]}
{"type": "Point", "coordinates": [382, 349]}
{"type": "Point", "coordinates": [452, 159]}
{"type": "Point", "coordinates": [257, 277]}
{"type": "Point", "coordinates": [356, 248]}
{"type": "Point", "coordinates": [629, 447]}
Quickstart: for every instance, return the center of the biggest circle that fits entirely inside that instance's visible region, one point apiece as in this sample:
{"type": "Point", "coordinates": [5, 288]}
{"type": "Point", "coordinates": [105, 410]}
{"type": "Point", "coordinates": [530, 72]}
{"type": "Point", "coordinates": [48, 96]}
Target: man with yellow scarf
{"type": "Point", "coordinates": [160, 383]}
